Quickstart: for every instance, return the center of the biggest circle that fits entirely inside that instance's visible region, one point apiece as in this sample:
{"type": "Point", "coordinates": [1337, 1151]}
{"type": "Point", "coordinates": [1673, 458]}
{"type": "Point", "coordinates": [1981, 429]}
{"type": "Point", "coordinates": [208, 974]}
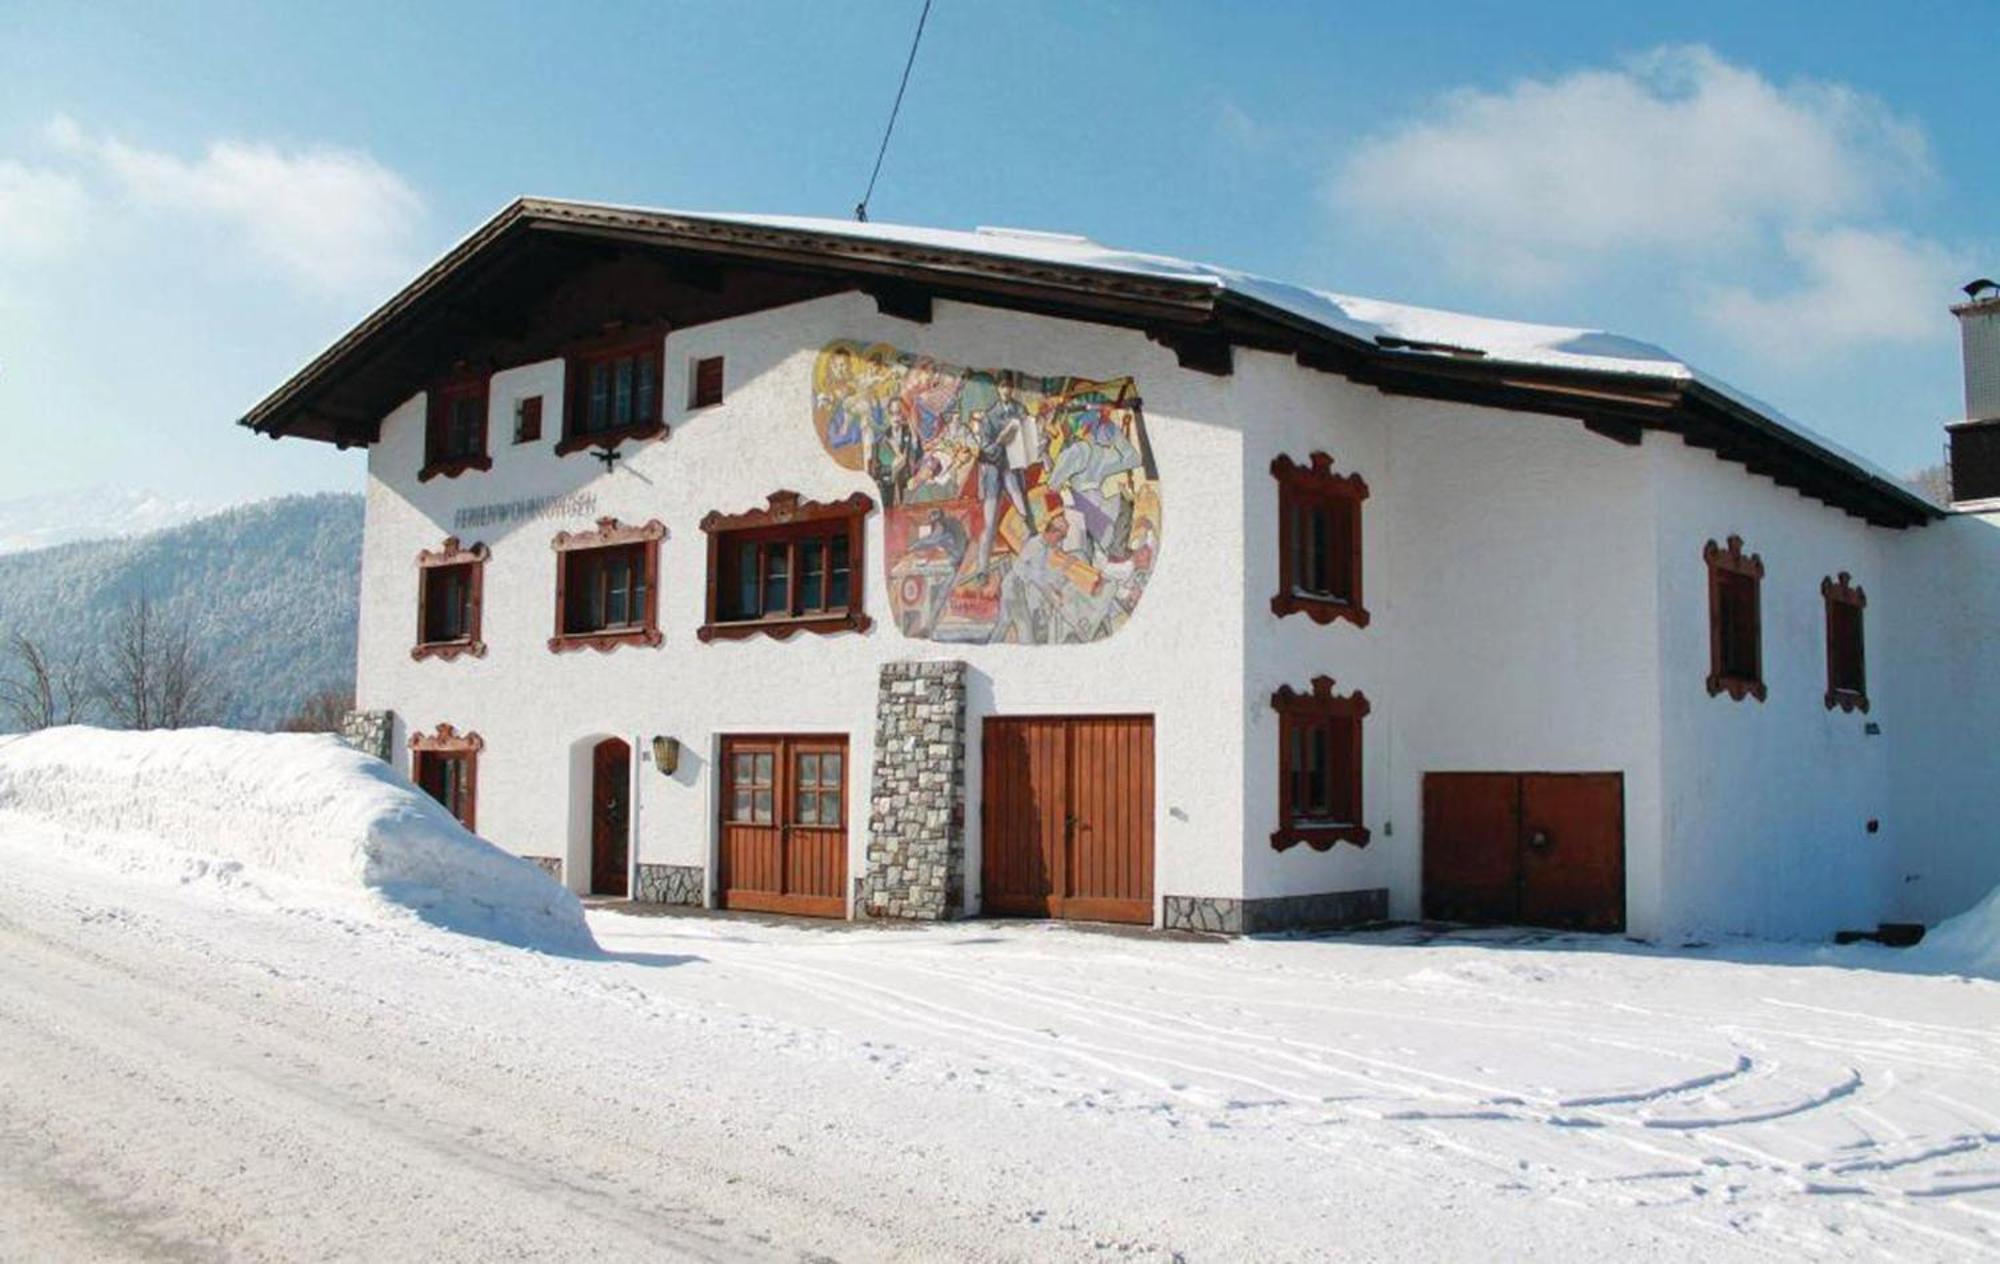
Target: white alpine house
{"type": "Point", "coordinates": [849, 569]}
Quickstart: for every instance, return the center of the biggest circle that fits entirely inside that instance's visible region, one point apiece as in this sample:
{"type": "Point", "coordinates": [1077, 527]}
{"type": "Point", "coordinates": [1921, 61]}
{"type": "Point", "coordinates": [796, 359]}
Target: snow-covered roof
{"type": "Point", "coordinates": [1408, 339]}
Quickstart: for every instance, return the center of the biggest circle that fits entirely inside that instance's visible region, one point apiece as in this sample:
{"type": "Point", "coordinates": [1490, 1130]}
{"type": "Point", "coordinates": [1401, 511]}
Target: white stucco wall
{"type": "Point", "coordinates": [1178, 658]}
{"type": "Point", "coordinates": [1767, 803]}
{"type": "Point", "coordinates": [1537, 596]}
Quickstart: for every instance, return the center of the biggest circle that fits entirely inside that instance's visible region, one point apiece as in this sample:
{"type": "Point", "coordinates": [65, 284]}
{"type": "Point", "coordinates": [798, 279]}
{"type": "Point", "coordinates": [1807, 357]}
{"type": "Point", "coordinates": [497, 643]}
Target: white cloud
{"type": "Point", "coordinates": [335, 220]}
{"type": "Point", "coordinates": [1674, 162]}
{"type": "Point", "coordinates": [1857, 287]}
{"type": "Point", "coordinates": [42, 211]}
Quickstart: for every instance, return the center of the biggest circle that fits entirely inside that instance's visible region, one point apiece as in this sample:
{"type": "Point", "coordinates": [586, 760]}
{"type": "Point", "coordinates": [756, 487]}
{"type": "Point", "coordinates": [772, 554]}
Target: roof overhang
{"type": "Point", "coordinates": [1201, 320]}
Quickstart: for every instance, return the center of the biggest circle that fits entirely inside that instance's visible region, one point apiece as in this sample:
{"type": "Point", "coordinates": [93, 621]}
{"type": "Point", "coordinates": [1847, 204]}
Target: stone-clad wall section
{"type": "Point", "coordinates": [671, 884]}
{"type": "Point", "coordinates": [915, 864]}
{"type": "Point", "coordinates": [1327, 910]}
{"type": "Point", "coordinates": [367, 732]}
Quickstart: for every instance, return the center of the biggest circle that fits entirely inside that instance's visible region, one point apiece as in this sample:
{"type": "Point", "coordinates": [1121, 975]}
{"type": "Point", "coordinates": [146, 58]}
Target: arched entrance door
{"type": "Point", "coordinates": [610, 816]}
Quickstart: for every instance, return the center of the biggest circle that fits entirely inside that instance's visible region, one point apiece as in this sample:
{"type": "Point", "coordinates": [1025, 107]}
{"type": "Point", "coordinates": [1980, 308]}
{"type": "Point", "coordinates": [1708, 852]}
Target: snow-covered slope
{"type": "Point", "coordinates": [297, 817]}
{"type": "Point", "coordinates": [47, 519]}
{"type": "Point", "coordinates": [1967, 944]}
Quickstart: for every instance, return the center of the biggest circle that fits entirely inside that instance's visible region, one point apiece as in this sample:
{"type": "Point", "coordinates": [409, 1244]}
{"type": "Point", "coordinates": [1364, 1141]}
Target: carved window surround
{"type": "Point", "coordinates": [1298, 715]}
{"type": "Point", "coordinates": [1846, 652]}
{"type": "Point", "coordinates": [1305, 488]}
{"type": "Point", "coordinates": [1735, 620]}
{"type": "Point", "coordinates": [452, 553]}
{"type": "Point", "coordinates": [448, 744]}
{"type": "Point", "coordinates": [785, 514]}
{"type": "Point", "coordinates": [610, 533]}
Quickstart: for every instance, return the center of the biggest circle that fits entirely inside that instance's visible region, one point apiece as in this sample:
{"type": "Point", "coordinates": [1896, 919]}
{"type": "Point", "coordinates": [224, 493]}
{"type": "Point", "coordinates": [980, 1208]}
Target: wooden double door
{"type": "Point", "coordinates": [784, 824]}
{"type": "Point", "coordinates": [1067, 817]}
{"type": "Point", "coordinates": [1533, 849]}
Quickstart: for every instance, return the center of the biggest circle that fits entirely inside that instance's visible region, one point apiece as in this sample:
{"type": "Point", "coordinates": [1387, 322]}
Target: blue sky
{"type": "Point", "coordinates": [194, 199]}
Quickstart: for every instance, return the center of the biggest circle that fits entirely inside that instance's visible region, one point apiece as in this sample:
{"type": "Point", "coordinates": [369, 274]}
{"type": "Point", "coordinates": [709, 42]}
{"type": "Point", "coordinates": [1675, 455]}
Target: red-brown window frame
{"type": "Point", "coordinates": [610, 533]}
{"type": "Point", "coordinates": [1746, 570]}
{"type": "Point", "coordinates": [705, 382]}
{"type": "Point", "coordinates": [1299, 710]}
{"type": "Point", "coordinates": [649, 342]}
{"type": "Point", "coordinates": [1845, 598]}
{"type": "Point", "coordinates": [787, 516]}
{"type": "Point", "coordinates": [1316, 485]}
{"type": "Point", "coordinates": [438, 404]}
{"type": "Point", "coordinates": [528, 419]}
{"type": "Point", "coordinates": [447, 743]}
{"type": "Point", "coordinates": [450, 555]}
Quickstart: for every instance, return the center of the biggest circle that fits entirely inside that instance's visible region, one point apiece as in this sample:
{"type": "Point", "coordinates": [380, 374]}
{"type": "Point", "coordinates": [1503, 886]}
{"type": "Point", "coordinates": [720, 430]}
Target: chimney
{"type": "Point", "coordinates": [1975, 441]}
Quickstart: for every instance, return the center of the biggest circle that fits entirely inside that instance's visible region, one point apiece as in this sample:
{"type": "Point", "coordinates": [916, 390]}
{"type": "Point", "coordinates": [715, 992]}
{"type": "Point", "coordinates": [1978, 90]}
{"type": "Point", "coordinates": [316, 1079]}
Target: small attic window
{"type": "Point", "coordinates": [705, 382]}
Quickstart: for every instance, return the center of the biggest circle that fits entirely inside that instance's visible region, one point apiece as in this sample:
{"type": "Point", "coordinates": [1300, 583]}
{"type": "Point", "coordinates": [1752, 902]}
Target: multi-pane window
{"type": "Point", "coordinates": [615, 390]}
{"type": "Point", "coordinates": [455, 428]}
{"type": "Point", "coordinates": [448, 597]}
{"type": "Point", "coordinates": [1319, 774]}
{"type": "Point", "coordinates": [753, 788]}
{"type": "Point", "coordinates": [607, 586]}
{"type": "Point", "coordinates": [1846, 648]}
{"type": "Point", "coordinates": [785, 576]}
{"type": "Point", "coordinates": [1319, 541]}
{"type": "Point", "coordinates": [604, 589]}
{"type": "Point", "coordinates": [1735, 620]}
{"type": "Point", "coordinates": [447, 777]}
{"type": "Point", "coordinates": [817, 786]}
{"type": "Point", "coordinates": [448, 608]}
{"type": "Point", "coordinates": [795, 566]}
{"type": "Point", "coordinates": [789, 781]}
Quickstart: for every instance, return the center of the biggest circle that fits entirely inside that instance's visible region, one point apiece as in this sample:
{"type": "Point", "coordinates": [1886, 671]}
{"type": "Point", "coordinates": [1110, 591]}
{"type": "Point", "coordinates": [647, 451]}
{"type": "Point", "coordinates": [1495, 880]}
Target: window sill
{"type": "Point", "coordinates": [785, 629]}
{"type": "Point", "coordinates": [609, 439]}
{"type": "Point", "coordinates": [1319, 837]}
{"type": "Point", "coordinates": [1847, 700]}
{"type": "Point", "coordinates": [1321, 610]}
{"type": "Point", "coordinates": [1737, 687]}
{"type": "Point", "coordinates": [452, 467]}
{"type": "Point", "coordinates": [447, 650]}
{"type": "Point", "coordinates": [604, 642]}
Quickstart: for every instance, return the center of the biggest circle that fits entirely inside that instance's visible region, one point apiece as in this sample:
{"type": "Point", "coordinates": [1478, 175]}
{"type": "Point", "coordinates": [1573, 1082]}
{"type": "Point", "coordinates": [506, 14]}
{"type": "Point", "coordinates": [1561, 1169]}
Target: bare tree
{"type": "Point", "coordinates": [1933, 481]}
{"type": "Point", "coordinates": [44, 689]}
{"type": "Point", "coordinates": [321, 712]}
{"type": "Point", "coordinates": [155, 676]}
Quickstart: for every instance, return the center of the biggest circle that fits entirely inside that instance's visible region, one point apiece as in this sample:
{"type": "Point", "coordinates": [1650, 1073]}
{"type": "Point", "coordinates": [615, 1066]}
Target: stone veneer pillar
{"type": "Point", "coordinates": [915, 865]}
{"type": "Point", "coordinates": [367, 732]}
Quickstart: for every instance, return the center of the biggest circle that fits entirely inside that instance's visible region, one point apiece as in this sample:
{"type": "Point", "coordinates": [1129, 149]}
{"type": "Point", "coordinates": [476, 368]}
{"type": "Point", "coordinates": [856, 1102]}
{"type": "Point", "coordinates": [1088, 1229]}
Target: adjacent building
{"type": "Point", "coordinates": [846, 569]}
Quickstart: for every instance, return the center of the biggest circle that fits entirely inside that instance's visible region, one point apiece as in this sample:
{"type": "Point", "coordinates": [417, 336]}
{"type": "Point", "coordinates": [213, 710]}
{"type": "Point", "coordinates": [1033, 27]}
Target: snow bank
{"type": "Point", "coordinates": [1966, 944]}
{"type": "Point", "coordinates": [301, 808]}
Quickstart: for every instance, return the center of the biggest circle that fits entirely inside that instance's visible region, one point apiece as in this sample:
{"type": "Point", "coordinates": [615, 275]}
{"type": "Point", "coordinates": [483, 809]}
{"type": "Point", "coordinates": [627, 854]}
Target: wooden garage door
{"type": "Point", "coordinates": [784, 825]}
{"type": "Point", "coordinates": [1067, 824]}
{"type": "Point", "coordinates": [1535, 849]}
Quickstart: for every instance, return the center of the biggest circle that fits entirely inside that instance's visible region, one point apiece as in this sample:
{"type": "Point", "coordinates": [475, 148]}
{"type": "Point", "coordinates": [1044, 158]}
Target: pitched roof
{"type": "Point", "coordinates": [1619, 386]}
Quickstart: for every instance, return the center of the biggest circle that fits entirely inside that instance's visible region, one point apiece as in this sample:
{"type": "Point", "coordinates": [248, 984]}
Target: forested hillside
{"type": "Point", "coordinates": [268, 590]}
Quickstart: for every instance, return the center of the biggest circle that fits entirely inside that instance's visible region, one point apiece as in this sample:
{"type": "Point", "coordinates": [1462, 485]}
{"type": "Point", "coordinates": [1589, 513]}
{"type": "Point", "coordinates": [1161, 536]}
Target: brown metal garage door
{"type": "Point", "coordinates": [1067, 825]}
{"type": "Point", "coordinates": [784, 825]}
{"type": "Point", "coordinates": [1535, 849]}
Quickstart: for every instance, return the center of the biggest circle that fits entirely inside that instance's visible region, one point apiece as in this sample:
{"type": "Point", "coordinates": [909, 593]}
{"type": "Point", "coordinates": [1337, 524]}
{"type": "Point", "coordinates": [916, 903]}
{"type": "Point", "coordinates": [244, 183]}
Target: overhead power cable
{"type": "Point", "coordinates": [861, 207]}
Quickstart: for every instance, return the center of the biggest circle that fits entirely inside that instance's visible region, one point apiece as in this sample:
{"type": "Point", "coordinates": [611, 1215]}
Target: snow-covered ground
{"type": "Point", "coordinates": [193, 1068]}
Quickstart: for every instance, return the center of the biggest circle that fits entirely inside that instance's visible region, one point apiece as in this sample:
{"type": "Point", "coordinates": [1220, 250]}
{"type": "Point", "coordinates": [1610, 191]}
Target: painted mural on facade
{"type": "Point", "coordinates": [1017, 508]}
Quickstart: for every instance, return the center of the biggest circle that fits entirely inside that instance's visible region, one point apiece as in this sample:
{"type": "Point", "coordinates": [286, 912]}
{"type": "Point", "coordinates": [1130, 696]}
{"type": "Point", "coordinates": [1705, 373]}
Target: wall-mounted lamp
{"type": "Point", "coordinates": [667, 755]}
